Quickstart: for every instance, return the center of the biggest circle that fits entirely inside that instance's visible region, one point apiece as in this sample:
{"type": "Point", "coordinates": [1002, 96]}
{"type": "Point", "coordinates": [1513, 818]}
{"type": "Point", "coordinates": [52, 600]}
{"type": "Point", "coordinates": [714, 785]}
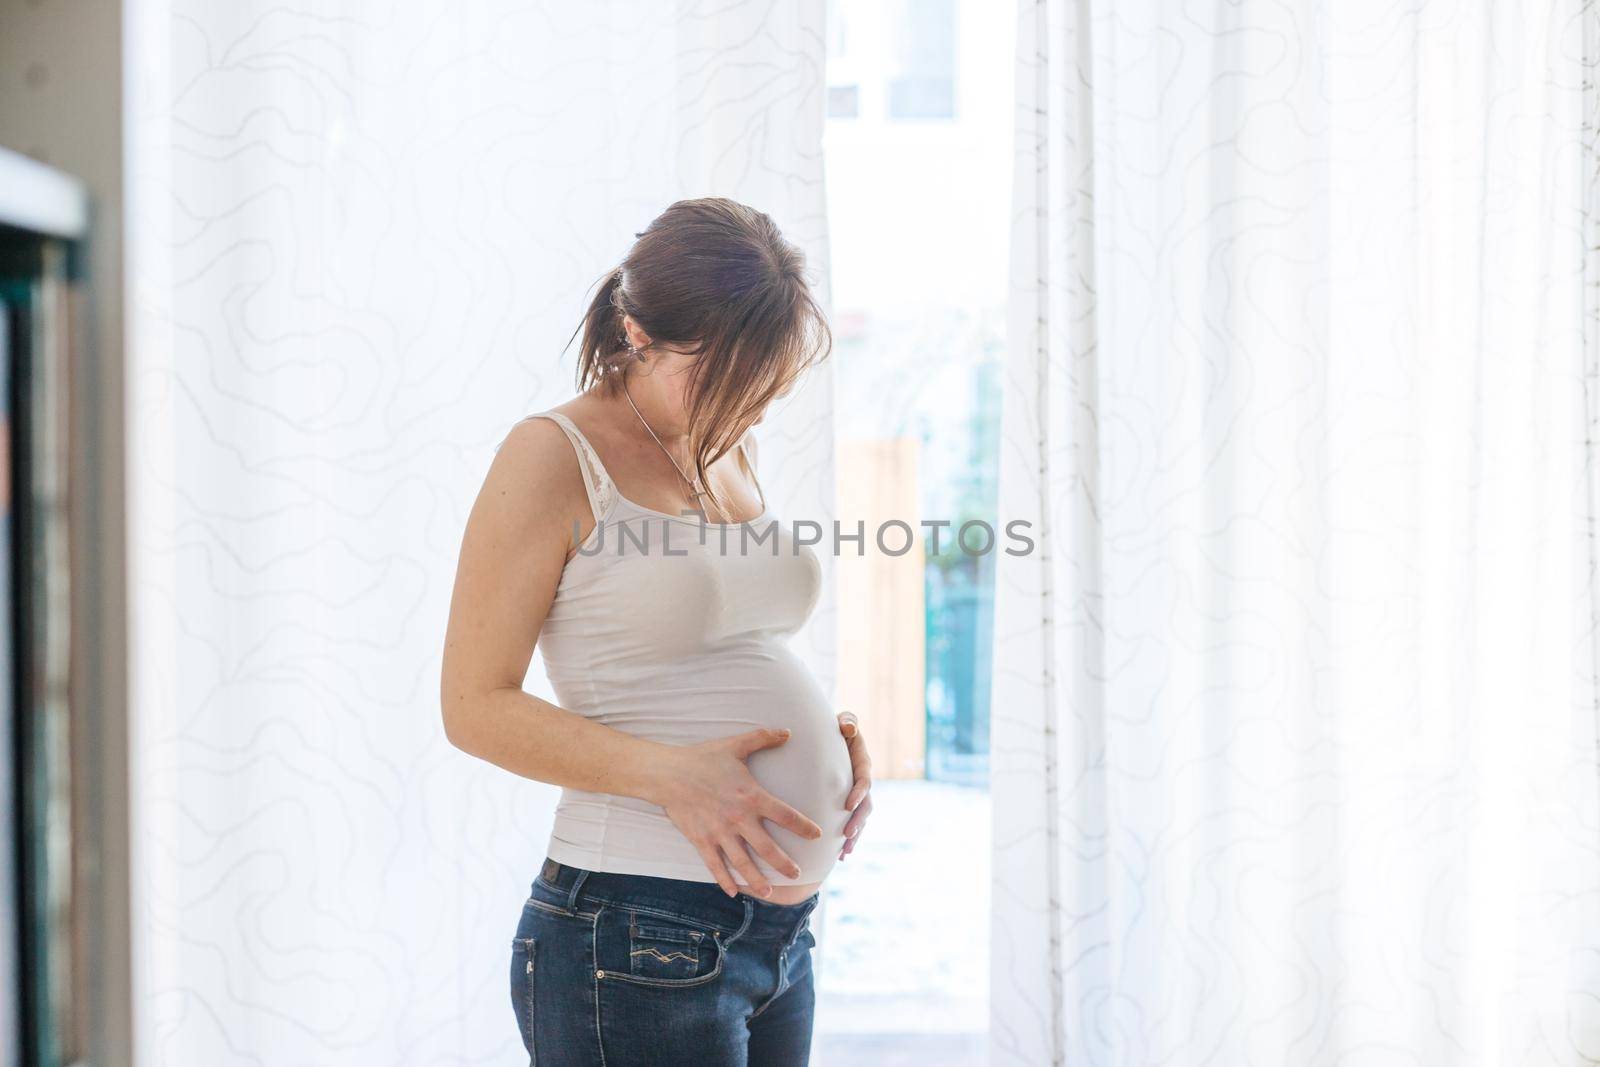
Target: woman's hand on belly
{"type": "Point", "coordinates": [712, 798]}
{"type": "Point", "coordinates": [859, 802]}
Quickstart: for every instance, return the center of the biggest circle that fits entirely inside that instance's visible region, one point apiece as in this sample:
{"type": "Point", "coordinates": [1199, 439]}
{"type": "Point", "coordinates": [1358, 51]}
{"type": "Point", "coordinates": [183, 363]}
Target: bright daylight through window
{"type": "Point", "coordinates": [918, 173]}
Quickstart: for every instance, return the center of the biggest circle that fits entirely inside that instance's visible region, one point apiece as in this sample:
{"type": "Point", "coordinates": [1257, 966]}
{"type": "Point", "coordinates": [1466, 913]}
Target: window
{"type": "Point", "coordinates": [919, 300]}
{"type": "Point", "coordinates": [925, 85]}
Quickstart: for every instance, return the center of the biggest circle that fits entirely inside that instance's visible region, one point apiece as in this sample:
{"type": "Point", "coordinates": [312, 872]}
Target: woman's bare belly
{"type": "Point", "coordinates": [789, 894]}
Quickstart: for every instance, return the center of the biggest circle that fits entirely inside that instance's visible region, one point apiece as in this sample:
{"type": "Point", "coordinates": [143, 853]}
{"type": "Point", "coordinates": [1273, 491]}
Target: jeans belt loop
{"type": "Point", "coordinates": [572, 896]}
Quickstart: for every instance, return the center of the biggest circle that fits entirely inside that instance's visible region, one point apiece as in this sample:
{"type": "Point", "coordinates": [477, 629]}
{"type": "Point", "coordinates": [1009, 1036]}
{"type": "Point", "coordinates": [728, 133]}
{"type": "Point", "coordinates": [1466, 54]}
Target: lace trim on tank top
{"type": "Point", "coordinates": [602, 491]}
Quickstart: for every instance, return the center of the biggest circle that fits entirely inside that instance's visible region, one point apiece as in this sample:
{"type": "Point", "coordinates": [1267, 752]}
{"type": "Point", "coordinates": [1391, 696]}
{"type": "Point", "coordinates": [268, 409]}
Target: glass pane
{"type": "Point", "coordinates": [918, 225]}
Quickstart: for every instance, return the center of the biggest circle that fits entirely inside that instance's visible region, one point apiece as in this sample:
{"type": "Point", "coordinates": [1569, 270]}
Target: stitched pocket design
{"type": "Point", "coordinates": [671, 952]}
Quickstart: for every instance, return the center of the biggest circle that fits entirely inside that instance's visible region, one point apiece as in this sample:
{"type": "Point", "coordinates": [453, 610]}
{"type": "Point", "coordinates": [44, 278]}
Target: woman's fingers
{"type": "Point", "coordinates": [768, 849]}
{"type": "Point", "coordinates": [733, 848]}
{"type": "Point", "coordinates": [756, 740]}
{"type": "Point", "coordinates": [853, 828]}
{"type": "Point", "coordinates": [858, 818]}
{"type": "Point", "coordinates": [861, 769]}
{"type": "Point", "coordinates": [789, 818]}
{"type": "Point", "coordinates": [860, 762]}
{"type": "Point", "coordinates": [859, 800]}
{"type": "Point", "coordinates": [718, 869]}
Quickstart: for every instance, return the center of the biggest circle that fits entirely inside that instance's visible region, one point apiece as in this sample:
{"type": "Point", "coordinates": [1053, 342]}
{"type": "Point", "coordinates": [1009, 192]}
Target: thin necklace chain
{"type": "Point", "coordinates": [695, 492]}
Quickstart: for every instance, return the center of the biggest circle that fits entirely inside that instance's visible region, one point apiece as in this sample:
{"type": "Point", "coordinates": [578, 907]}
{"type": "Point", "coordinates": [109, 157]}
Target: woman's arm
{"type": "Point", "coordinates": [515, 546]}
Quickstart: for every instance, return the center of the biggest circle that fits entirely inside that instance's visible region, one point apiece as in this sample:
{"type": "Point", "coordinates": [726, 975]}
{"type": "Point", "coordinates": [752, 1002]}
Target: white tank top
{"type": "Point", "coordinates": [678, 631]}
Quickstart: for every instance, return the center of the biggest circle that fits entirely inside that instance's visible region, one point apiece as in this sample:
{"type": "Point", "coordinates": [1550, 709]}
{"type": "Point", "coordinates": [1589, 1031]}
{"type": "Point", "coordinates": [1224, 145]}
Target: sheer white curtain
{"type": "Point", "coordinates": [361, 234]}
{"type": "Point", "coordinates": [1295, 704]}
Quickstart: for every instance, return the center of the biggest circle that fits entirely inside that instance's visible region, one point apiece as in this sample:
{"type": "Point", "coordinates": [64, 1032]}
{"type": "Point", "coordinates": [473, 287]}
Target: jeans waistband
{"type": "Point", "coordinates": [744, 916]}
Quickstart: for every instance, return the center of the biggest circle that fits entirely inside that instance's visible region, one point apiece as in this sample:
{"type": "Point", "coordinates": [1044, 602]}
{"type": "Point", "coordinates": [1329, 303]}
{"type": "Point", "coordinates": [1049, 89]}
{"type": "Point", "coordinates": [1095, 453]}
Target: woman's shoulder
{"type": "Point", "coordinates": [586, 416]}
{"type": "Point", "coordinates": [535, 463]}
{"type": "Point", "coordinates": [544, 430]}
{"type": "Point", "coordinates": [557, 447]}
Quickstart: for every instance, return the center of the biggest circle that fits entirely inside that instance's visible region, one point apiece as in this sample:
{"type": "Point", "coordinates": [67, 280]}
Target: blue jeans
{"type": "Point", "coordinates": [625, 970]}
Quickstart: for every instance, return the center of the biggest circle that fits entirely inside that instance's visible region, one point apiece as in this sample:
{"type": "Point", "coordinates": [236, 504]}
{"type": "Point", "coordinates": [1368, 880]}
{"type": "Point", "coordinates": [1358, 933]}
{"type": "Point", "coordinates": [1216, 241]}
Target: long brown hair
{"type": "Point", "coordinates": [715, 278]}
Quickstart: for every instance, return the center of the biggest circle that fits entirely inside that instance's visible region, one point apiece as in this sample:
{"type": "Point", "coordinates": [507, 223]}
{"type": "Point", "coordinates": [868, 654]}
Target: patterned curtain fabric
{"type": "Point", "coordinates": [361, 234]}
{"type": "Point", "coordinates": [1295, 703]}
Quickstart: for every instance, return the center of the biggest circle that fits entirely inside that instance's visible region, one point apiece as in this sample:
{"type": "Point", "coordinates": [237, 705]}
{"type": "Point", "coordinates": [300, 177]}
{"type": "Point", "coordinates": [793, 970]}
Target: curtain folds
{"type": "Point", "coordinates": [1295, 703]}
{"type": "Point", "coordinates": [361, 236]}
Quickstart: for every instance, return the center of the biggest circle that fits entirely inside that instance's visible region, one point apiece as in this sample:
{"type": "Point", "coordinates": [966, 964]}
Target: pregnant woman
{"type": "Point", "coordinates": [707, 785]}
